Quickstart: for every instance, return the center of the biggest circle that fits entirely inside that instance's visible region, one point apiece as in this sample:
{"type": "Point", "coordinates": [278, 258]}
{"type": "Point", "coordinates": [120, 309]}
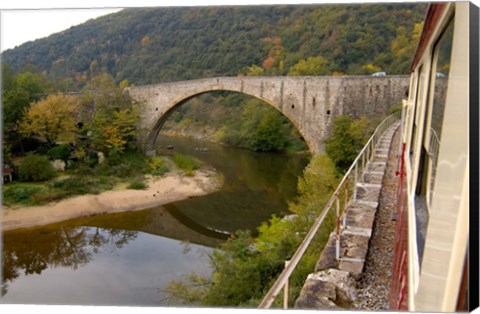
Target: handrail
{"type": "Point", "coordinates": [366, 152]}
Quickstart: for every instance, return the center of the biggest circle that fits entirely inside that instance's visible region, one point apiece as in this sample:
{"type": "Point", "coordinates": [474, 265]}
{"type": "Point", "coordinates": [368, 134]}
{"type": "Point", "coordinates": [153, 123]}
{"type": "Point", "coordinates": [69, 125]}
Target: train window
{"type": "Point", "coordinates": [428, 152]}
{"type": "Point", "coordinates": [442, 57]}
{"type": "Point", "coordinates": [418, 97]}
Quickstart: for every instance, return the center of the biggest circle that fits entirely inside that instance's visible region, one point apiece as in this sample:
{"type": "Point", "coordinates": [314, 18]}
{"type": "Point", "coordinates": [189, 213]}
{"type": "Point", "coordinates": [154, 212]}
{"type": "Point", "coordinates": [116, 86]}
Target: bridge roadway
{"type": "Point", "coordinates": [309, 102]}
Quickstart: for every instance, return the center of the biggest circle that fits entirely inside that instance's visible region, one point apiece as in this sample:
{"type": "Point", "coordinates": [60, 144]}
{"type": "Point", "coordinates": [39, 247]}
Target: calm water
{"type": "Point", "coordinates": [127, 258]}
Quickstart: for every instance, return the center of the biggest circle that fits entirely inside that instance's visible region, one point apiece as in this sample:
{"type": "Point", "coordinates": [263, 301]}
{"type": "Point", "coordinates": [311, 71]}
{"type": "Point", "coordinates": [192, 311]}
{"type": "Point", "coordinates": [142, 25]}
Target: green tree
{"type": "Point", "coordinates": [255, 70]}
{"type": "Point", "coordinates": [51, 119]}
{"type": "Point", "coordinates": [19, 91]}
{"type": "Point", "coordinates": [262, 128]}
{"type": "Point", "coordinates": [110, 116]}
{"type": "Point", "coordinates": [347, 139]}
{"type": "Point", "coordinates": [311, 66]}
{"type": "Point", "coordinates": [269, 134]}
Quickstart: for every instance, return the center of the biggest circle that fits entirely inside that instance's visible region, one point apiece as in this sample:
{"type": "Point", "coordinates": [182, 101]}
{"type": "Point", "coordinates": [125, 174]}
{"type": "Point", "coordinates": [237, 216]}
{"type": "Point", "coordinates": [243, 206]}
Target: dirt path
{"type": "Point", "coordinates": [169, 188]}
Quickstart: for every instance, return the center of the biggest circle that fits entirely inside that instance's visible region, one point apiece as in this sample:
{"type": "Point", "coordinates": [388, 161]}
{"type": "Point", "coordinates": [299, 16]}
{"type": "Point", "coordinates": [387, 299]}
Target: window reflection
{"type": "Point", "coordinates": [443, 53]}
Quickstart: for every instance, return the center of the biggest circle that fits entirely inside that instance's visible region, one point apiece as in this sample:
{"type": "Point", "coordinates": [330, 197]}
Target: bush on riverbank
{"type": "Point", "coordinates": [137, 183]}
{"type": "Point", "coordinates": [35, 168]}
{"type": "Point", "coordinates": [38, 194]}
{"type": "Point", "coordinates": [186, 163]}
{"type": "Point", "coordinates": [80, 185]}
{"type": "Point", "coordinates": [20, 193]}
{"type": "Point", "coordinates": [130, 167]}
{"type": "Point", "coordinates": [158, 166]}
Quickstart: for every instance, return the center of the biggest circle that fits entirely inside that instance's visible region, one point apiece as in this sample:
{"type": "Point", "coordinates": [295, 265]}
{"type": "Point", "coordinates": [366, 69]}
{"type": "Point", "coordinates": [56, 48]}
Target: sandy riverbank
{"type": "Point", "coordinates": [169, 188]}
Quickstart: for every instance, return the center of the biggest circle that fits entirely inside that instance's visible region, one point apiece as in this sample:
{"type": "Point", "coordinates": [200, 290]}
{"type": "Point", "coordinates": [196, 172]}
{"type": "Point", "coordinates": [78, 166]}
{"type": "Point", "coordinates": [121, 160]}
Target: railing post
{"type": "Point", "coordinates": [345, 206]}
{"type": "Point", "coordinates": [286, 290]}
{"type": "Point", "coordinates": [337, 250]}
{"type": "Point", "coordinates": [363, 163]}
{"type": "Point", "coordinates": [355, 183]}
{"type": "Point", "coordinates": [374, 145]}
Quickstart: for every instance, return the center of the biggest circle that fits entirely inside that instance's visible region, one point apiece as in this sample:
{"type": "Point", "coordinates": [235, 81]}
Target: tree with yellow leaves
{"type": "Point", "coordinates": [114, 132]}
{"type": "Point", "coordinates": [51, 119]}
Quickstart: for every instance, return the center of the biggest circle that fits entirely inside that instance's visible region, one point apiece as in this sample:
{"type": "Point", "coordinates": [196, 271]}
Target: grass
{"type": "Point", "coordinates": [21, 193]}
{"type": "Point", "coordinates": [32, 194]}
{"type": "Point", "coordinates": [137, 183]}
{"type": "Point", "coordinates": [186, 163]}
{"type": "Point", "coordinates": [129, 168]}
{"type": "Point", "coordinates": [80, 185]}
{"type": "Point", "coordinates": [158, 166]}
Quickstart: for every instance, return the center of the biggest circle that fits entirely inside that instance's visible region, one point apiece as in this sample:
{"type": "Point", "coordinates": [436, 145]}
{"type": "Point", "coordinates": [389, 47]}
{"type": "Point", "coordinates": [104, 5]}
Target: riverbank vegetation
{"type": "Point", "coordinates": [60, 146]}
{"type": "Point", "coordinates": [245, 267]}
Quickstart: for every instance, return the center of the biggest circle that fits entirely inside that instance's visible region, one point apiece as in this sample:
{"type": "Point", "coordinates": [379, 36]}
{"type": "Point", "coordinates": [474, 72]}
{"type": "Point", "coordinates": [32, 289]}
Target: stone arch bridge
{"type": "Point", "coordinates": [309, 102]}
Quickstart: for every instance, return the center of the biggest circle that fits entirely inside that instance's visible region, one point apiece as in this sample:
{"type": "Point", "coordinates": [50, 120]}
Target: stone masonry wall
{"type": "Point", "coordinates": [310, 102]}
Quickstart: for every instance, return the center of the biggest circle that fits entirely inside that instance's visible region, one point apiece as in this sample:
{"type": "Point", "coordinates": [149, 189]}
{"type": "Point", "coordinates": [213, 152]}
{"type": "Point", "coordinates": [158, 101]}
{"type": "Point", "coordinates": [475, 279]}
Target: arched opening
{"type": "Point", "coordinates": [212, 106]}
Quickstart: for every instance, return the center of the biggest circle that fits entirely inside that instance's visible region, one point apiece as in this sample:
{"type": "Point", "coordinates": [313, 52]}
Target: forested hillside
{"type": "Point", "coordinates": [168, 44]}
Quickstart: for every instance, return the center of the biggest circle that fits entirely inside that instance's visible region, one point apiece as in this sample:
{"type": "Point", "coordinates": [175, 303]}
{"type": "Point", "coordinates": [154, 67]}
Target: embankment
{"type": "Point", "coordinates": [169, 188]}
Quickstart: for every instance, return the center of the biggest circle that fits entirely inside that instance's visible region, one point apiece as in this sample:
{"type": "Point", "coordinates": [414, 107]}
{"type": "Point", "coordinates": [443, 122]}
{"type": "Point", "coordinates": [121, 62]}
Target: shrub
{"type": "Point", "coordinates": [20, 193]}
{"type": "Point", "coordinates": [137, 183]}
{"type": "Point", "coordinates": [79, 185]}
{"type": "Point", "coordinates": [35, 168]}
{"type": "Point", "coordinates": [59, 152]}
{"type": "Point", "coordinates": [347, 139]}
{"type": "Point", "coordinates": [187, 164]}
{"type": "Point", "coordinates": [114, 158]}
{"type": "Point", "coordinates": [158, 166]}
{"type": "Point", "coordinates": [128, 164]}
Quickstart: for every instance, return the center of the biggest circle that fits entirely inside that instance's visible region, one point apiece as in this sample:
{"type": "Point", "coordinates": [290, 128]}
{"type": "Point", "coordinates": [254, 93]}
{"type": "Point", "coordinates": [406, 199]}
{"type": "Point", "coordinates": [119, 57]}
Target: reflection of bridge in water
{"type": "Point", "coordinates": [165, 221]}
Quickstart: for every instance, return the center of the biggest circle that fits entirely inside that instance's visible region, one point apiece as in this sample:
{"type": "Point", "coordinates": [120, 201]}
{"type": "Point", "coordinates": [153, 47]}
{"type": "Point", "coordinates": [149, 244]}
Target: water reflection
{"type": "Point", "coordinates": [257, 185]}
{"type": "Point", "coordinates": [64, 246]}
{"type": "Point", "coordinates": [95, 266]}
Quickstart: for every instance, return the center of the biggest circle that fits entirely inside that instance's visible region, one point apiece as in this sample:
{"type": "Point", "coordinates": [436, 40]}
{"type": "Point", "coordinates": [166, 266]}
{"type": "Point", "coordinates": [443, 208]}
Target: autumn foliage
{"type": "Point", "coordinates": [51, 119]}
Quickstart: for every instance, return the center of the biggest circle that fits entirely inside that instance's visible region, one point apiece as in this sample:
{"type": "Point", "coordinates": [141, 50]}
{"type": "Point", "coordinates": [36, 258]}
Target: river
{"type": "Point", "coordinates": [128, 258]}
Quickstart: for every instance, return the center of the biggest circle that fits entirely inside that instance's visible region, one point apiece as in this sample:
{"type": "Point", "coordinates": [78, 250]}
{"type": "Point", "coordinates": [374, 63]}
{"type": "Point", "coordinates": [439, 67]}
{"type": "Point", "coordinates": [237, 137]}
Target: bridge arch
{"type": "Point", "coordinates": [176, 103]}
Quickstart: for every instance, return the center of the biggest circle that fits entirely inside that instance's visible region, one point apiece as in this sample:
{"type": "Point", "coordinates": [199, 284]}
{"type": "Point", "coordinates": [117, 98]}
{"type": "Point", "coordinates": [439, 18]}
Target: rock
{"type": "Point", "coordinates": [58, 165]}
{"type": "Point", "coordinates": [328, 258]}
{"type": "Point", "coordinates": [353, 268]}
{"type": "Point", "coordinates": [330, 289]}
{"type": "Point", "coordinates": [357, 252]}
{"type": "Point", "coordinates": [101, 157]}
{"type": "Point", "coordinates": [341, 279]}
{"type": "Point", "coordinates": [317, 294]}
{"type": "Point", "coordinates": [170, 147]}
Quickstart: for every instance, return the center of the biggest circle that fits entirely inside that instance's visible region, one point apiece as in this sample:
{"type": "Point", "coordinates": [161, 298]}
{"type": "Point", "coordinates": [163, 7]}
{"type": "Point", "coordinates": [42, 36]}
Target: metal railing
{"type": "Point", "coordinates": [354, 174]}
